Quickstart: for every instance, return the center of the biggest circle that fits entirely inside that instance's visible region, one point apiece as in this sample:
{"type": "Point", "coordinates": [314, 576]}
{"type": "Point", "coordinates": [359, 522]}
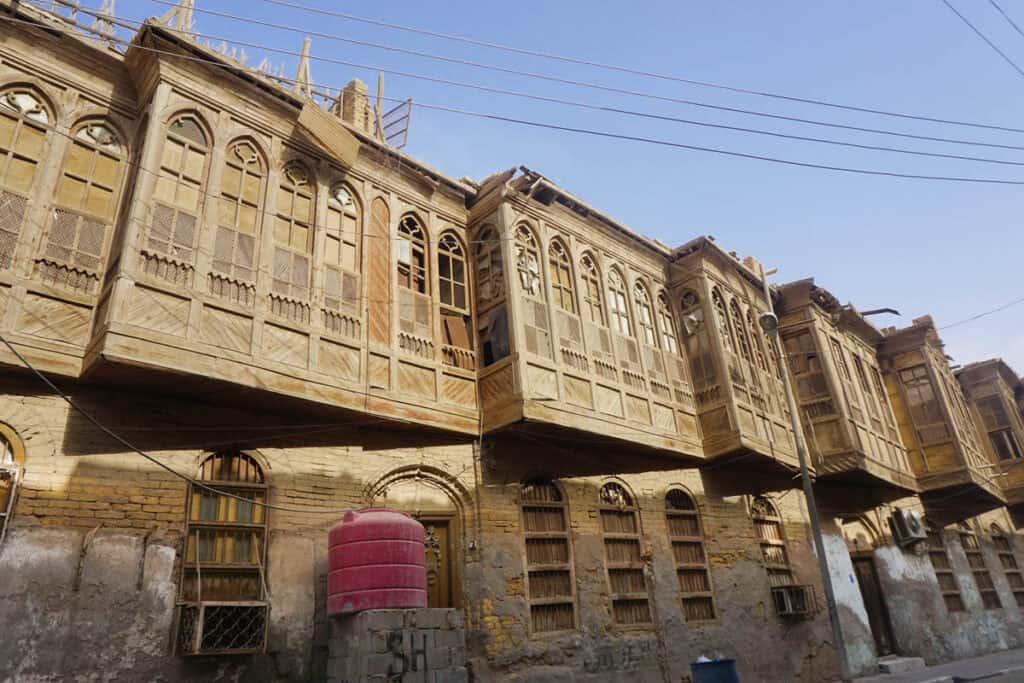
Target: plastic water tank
{"type": "Point", "coordinates": [376, 560]}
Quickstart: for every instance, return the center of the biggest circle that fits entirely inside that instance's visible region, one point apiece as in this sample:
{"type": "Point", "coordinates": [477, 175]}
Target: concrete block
{"type": "Point", "coordinates": [432, 618]}
{"type": "Point", "coordinates": [382, 619]}
{"type": "Point", "coordinates": [439, 658]}
{"type": "Point", "coordinates": [377, 665]}
{"type": "Point", "coordinates": [456, 675]}
{"type": "Point", "coordinates": [414, 677]}
{"type": "Point", "coordinates": [456, 619]}
{"type": "Point", "coordinates": [899, 665]}
{"type": "Point", "coordinates": [450, 639]}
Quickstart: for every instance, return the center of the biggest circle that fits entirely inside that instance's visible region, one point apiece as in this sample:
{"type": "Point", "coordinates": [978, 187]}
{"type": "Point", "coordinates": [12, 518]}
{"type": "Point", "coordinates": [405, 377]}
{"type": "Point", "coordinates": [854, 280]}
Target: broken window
{"type": "Point", "coordinates": [617, 304]}
{"type": "Point", "coordinates": [624, 556]}
{"type": "Point", "coordinates": [178, 197]}
{"type": "Point", "coordinates": [698, 341]}
{"type": "Point", "coordinates": [451, 277]}
{"type": "Point", "coordinates": [412, 255]}
{"type": "Point", "coordinates": [490, 272]}
{"type": "Point", "coordinates": [24, 122]}
{"type": "Point", "coordinates": [86, 198]}
{"type": "Point", "coordinates": [241, 209]}
{"type": "Point", "coordinates": [493, 330]}
{"type": "Point", "coordinates": [528, 261]}
{"type": "Point", "coordinates": [341, 249]}
{"type": "Point", "coordinates": [560, 270]}
{"type": "Point", "coordinates": [772, 539]}
{"type": "Point", "coordinates": [11, 456]}
{"type": "Point", "coordinates": [923, 405]}
{"type": "Point", "coordinates": [722, 319]}
{"type": "Point", "coordinates": [223, 588]}
{"type": "Point", "coordinates": [687, 537]}
{"type": "Point", "coordinates": [550, 585]}
{"type": "Point", "coordinates": [939, 557]}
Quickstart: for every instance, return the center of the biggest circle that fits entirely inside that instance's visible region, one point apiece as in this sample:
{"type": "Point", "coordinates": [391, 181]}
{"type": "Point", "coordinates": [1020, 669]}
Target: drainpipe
{"type": "Point", "coordinates": [770, 324]}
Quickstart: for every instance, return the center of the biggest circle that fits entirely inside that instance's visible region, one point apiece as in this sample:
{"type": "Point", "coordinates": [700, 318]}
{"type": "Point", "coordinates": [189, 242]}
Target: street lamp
{"type": "Point", "coordinates": [770, 324]}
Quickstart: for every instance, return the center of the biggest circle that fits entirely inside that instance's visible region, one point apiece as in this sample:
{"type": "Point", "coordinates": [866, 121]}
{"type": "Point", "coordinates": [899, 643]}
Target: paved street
{"type": "Point", "coordinates": [1000, 667]}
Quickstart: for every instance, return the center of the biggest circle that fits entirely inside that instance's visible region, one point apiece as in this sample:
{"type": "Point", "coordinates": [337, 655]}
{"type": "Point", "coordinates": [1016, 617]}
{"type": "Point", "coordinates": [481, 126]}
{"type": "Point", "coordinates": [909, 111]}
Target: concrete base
{"type": "Point", "coordinates": [894, 664]}
{"type": "Point", "coordinates": [392, 645]}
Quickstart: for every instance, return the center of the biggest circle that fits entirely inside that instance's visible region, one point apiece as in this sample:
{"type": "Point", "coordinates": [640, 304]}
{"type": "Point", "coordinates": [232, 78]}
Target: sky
{"type": "Point", "coordinates": [952, 250]}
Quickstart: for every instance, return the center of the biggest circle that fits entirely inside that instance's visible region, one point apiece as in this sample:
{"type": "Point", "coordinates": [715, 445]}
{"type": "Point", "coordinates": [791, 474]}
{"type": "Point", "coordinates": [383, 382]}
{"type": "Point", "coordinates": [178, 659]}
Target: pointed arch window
{"type": "Point", "coordinates": [293, 233]}
{"type": "Point", "coordinates": [687, 536]}
{"type": "Point", "coordinates": [645, 314]}
{"type": "Point", "coordinates": [24, 121]}
{"type": "Point", "coordinates": [86, 199]}
{"type": "Point", "coordinates": [1004, 549]}
{"type": "Point", "coordinates": [756, 341]}
{"type": "Point", "coordinates": [412, 255]}
{"type": "Point", "coordinates": [698, 341]}
{"type": "Point", "coordinates": [667, 324]}
{"type": "Point", "coordinates": [242, 188]}
{"type": "Point", "coordinates": [772, 539]}
{"type": "Point", "coordinates": [738, 326]}
{"type": "Point", "coordinates": [341, 249]}
{"type": "Point", "coordinates": [528, 261]}
{"type": "Point", "coordinates": [550, 585]}
{"type": "Point", "coordinates": [620, 528]}
{"type": "Point", "coordinates": [617, 305]}
{"type": "Point", "coordinates": [560, 271]}
{"type": "Point", "coordinates": [593, 301]}
{"type": "Point", "coordinates": [939, 557]}
{"type": "Point", "coordinates": [451, 277]}
{"type": "Point", "coordinates": [490, 271]}
{"type": "Point", "coordinates": [722, 319]}
{"type": "Point", "coordinates": [179, 189]}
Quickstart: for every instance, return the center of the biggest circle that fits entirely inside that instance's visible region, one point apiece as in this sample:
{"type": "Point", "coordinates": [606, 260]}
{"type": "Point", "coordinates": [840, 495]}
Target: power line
{"type": "Point", "coordinates": [982, 315]}
{"type": "Point", "coordinates": [1007, 17]}
{"type": "Point", "coordinates": [607, 134]}
{"type": "Point", "coordinates": [984, 37]}
{"type": "Point", "coordinates": [596, 86]}
{"type": "Point", "coordinates": [629, 70]}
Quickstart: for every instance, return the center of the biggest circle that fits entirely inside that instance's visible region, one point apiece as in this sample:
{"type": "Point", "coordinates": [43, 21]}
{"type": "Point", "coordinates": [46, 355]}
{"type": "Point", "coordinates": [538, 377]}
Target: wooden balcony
{"type": "Point", "coordinates": [956, 477]}
{"type": "Point", "coordinates": [851, 430]}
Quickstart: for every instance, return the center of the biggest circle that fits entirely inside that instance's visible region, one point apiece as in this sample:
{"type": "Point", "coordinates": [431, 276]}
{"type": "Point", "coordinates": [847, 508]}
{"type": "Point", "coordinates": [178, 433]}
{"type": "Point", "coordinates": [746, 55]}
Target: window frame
{"type": "Point", "coordinates": [412, 235]}
{"type": "Point", "coordinates": [292, 288]}
{"type": "Point", "coordinates": [635, 566]}
{"type": "Point", "coordinates": [592, 291]}
{"type": "Point", "coordinates": [935, 541]}
{"type": "Point", "coordinates": [569, 566]}
{"type": "Point", "coordinates": [170, 210]}
{"type": "Point", "coordinates": [12, 470]}
{"type": "Point", "coordinates": [527, 262]}
{"type": "Point", "coordinates": [563, 287]}
{"type": "Point", "coordinates": [764, 514]}
{"type": "Point", "coordinates": [698, 540]}
{"type": "Point", "coordinates": [645, 315]}
{"type": "Point", "coordinates": [618, 303]}
{"type": "Point", "coordinates": [235, 232]}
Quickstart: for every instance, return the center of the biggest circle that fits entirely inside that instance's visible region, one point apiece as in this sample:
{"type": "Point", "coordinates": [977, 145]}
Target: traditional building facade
{"type": "Point", "coordinates": [235, 281]}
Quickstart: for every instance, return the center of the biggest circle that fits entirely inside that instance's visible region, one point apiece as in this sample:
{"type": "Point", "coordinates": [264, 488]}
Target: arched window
{"type": "Point", "coordinates": [645, 314]}
{"type": "Point", "coordinates": [550, 585]}
{"type": "Point", "coordinates": [490, 271]}
{"type": "Point", "coordinates": [772, 539]}
{"type": "Point", "coordinates": [10, 475]}
{"type": "Point", "coordinates": [620, 529]}
{"type": "Point", "coordinates": [242, 188]}
{"type": "Point", "coordinates": [617, 304]}
{"type": "Point", "coordinates": [24, 121]}
{"type": "Point", "coordinates": [341, 249]}
{"type": "Point", "coordinates": [1004, 548]}
{"type": "Point", "coordinates": [667, 323]}
{"type": "Point", "coordinates": [527, 261]}
{"type": "Point", "coordinates": [741, 330]}
{"type": "Point", "coordinates": [687, 537]}
{"type": "Point", "coordinates": [756, 341]}
{"type": "Point", "coordinates": [593, 301]}
{"type": "Point", "coordinates": [698, 341]}
{"type": "Point", "coordinates": [293, 233]}
{"type": "Point", "coordinates": [722, 318]}
{"type": "Point", "coordinates": [451, 276]}
{"type": "Point", "coordinates": [179, 189]}
{"type": "Point", "coordinates": [412, 255]}
{"type": "Point", "coordinates": [560, 271]}
{"type": "Point", "coordinates": [86, 199]}
{"type": "Point", "coordinates": [939, 557]}
{"type": "Point", "coordinates": [976, 561]}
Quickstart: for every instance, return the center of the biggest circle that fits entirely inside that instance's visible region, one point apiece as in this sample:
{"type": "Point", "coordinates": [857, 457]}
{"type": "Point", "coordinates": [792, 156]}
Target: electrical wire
{"type": "Point", "coordinates": [647, 140]}
{"type": "Point", "coordinates": [633, 71]}
{"type": "Point", "coordinates": [1007, 17]}
{"type": "Point", "coordinates": [984, 37]}
{"type": "Point", "coordinates": [632, 93]}
{"type": "Point", "coordinates": [982, 315]}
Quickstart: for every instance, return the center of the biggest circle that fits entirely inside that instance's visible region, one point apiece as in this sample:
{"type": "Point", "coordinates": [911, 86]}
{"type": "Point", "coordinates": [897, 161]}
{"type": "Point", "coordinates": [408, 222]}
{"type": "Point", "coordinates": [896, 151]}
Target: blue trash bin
{"type": "Point", "coordinates": [718, 671]}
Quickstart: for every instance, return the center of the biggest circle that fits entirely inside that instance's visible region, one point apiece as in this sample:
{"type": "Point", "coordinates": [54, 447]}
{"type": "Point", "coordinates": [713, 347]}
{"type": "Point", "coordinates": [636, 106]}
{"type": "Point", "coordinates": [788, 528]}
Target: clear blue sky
{"type": "Point", "coordinates": [951, 250]}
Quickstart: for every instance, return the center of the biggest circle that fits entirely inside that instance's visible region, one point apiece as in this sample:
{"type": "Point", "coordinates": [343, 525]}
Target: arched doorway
{"type": "Point", "coordinates": [862, 537]}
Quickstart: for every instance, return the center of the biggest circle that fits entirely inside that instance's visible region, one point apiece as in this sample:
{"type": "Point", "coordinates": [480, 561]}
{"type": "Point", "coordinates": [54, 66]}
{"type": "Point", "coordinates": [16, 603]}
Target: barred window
{"type": "Point", "coordinates": [528, 261]}
{"type": "Point", "coordinates": [86, 198]}
{"type": "Point", "coordinates": [939, 557]}
{"type": "Point", "coordinates": [550, 585]}
{"type": "Point", "coordinates": [560, 270]}
{"type": "Point", "coordinates": [645, 314]}
{"type": "Point", "coordinates": [593, 301]}
{"type": "Point", "coordinates": [341, 249]}
{"type": "Point", "coordinates": [620, 527]}
{"type": "Point", "coordinates": [451, 276]}
{"type": "Point", "coordinates": [772, 539]}
{"type": "Point", "coordinates": [293, 233]}
{"type": "Point", "coordinates": [976, 560]}
{"type": "Point", "coordinates": [241, 210]}
{"type": "Point", "coordinates": [923, 405]}
{"type": "Point", "coordinates": [179, 195]}
{"type": "Point", "coordinates": [687, 537]}
{"type": "Point", "coordinates": [667, 323]}
{"type": "Point", "coordinates": [11, 457]}
{"type": "Point", "coordinates": [1004, 548]}
{"type": "Point", "coordinates": [617, 304]}
{"type": "Point", "coordinates": [24, 121]}
{"type": "Point", "coordinates": [412, 255]}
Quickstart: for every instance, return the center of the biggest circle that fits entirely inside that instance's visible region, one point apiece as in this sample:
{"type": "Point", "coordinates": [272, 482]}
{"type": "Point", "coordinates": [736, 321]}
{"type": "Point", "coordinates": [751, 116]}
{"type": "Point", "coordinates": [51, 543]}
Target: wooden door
{"type": "Point", "coordinates": [874, 603]}
{"type": "Point", "coordinates": [439, 562]}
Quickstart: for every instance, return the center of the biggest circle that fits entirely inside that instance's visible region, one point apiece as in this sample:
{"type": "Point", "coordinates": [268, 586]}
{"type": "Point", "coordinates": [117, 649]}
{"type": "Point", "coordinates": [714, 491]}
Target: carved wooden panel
{"type": "Point", "coordinates": [459, 390]}
{"type": "Point", "coordinates": [378, 272]}
{"type": "Point", "coordinates": [416, 380]}
{"type": "Point", "coordinates": [225, 329]}
{"type": "Point", "coordinates": [158, 311]}
{"type": "Point", "coordinates": [578, 391]}
{"type": "Point", "coordinates": [686, 424]}
{"type": "Point", "coordinates": [496, 386]}
{"type": "Point", "coordinates": [380, 372]}
{"type": "Point", "coordinates": [339, 360]}
{"type": "Point", "coordinates": [543, 383]}
{"type": "Point", "coordinates": [608, 400]}
{"type": "Point", "coordinates": [285, 346]}
{"type": "Point", "coordinates": [664, 417]}
{"type": "Point", "coordinates": [638, 409]}
{"type": "Point", "coordinates": [42, 316]}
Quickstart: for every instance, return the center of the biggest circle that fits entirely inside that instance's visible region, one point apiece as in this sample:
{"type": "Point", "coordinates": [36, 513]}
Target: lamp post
{"type": "Point", "coordinates": [770, 324]}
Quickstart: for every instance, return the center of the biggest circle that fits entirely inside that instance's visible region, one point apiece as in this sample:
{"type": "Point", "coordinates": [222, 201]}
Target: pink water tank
{"type": "Point", "coordinates": [376, 560]}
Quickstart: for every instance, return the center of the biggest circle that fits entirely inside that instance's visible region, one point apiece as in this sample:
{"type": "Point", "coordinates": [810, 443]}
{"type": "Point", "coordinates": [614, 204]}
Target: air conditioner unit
{"type": "Point", "coordinates": [907, 527]}
{"type": "Point", "coordinates": [793, 601]}
{"type": "Point", "coordinates": [222, 628]}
